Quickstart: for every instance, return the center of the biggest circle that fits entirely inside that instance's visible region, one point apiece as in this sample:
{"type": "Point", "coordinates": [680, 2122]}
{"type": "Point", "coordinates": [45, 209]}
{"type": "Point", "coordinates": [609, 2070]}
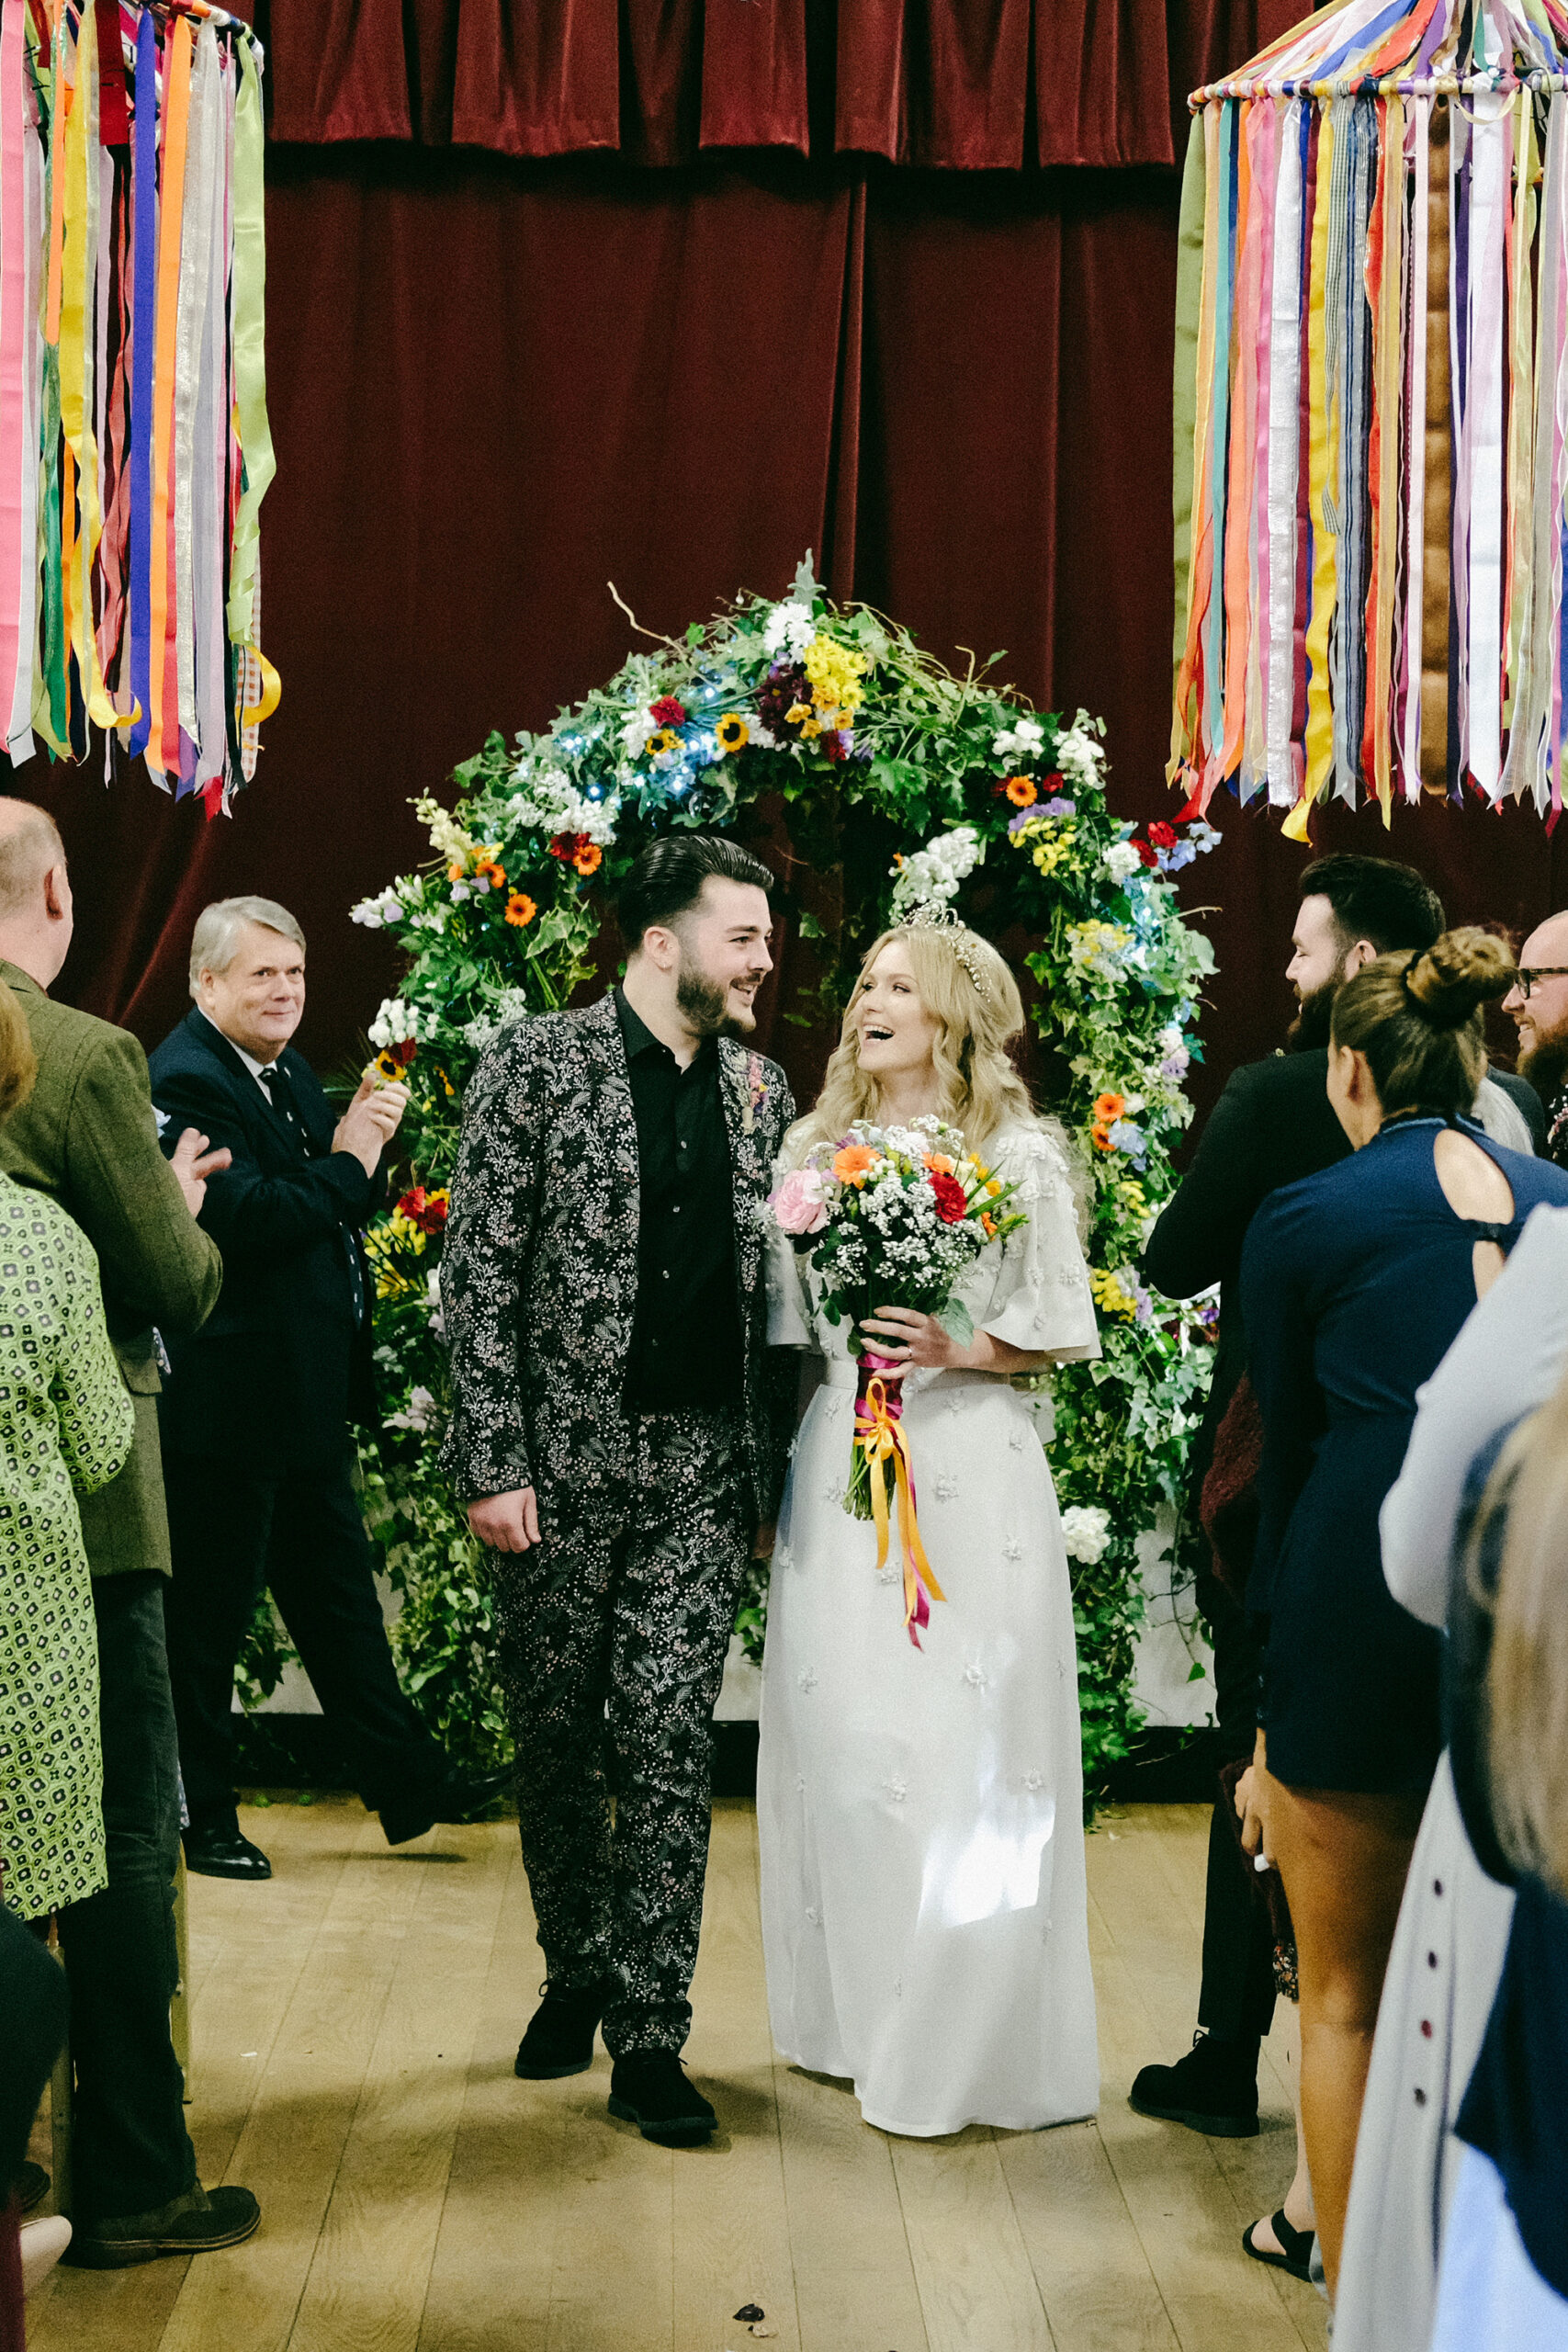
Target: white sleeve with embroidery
{"type": "Point", "coordinates": [1041, 1301]}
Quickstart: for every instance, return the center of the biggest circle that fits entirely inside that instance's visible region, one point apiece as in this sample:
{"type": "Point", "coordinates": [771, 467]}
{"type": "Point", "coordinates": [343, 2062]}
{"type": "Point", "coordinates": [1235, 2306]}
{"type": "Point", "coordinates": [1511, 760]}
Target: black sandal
{"type": "Point", "coordinates": [1297, 2256]}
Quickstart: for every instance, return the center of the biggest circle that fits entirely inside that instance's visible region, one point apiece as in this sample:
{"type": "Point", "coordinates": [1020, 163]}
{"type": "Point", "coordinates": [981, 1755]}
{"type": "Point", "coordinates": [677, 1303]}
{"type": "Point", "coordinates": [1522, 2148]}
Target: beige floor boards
{"type": "Point", "coordinates": [355, 2026]}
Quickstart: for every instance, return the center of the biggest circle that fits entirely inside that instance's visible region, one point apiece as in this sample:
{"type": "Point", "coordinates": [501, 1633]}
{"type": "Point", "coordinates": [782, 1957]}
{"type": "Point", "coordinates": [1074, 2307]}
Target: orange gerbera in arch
{"type": "Point", "coordinates": [587, 857]}
{"type": "Point", "coordinates": [1021, 790]}
{"type": "Point", "coordinates": [520, 910]}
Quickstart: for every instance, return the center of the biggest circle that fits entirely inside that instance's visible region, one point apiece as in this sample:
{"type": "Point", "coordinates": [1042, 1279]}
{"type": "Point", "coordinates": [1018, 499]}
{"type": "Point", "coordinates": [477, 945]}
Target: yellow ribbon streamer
{"type": "Point", "coordinates": [1324, 437]}
{"type": "Point", "coordinates": [882, 1440]}
{"type": "Point", "coordinates": [253, 713]}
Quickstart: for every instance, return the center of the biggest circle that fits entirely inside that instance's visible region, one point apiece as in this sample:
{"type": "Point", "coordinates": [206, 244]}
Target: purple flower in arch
{"type": "Point", "coordinates": [786, 685]}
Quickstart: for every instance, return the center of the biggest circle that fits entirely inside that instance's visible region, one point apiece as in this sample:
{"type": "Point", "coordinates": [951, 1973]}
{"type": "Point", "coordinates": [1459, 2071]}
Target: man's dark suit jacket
{"type": "Point", "coordinates": [1272, 1126]}
{"type": "Point", "coordinates": [282, 1363]}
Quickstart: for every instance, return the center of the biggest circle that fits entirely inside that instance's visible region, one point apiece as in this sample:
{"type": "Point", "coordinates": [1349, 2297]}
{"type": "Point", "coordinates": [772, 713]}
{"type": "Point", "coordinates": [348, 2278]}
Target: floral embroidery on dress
{"type": "Point", "coordinates": [976, 1678]}
{"type": "Point", "coordinates": [1012, 1549]}
{"type": "Point", "coordinates": [946, 1488]}
{"type": "Point", "coordinates": [897, 1789]}
{"type": "Point", "coordinates": [806, 1678]}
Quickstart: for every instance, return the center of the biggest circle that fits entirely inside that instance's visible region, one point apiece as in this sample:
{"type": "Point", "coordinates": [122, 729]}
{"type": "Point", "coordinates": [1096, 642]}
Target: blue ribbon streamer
{"type": "Point", "coordinates": [143, 336]}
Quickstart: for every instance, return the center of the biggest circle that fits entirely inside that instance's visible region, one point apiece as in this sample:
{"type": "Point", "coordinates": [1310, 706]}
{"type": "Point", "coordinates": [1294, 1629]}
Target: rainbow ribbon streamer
{"type": "Point", "coordinates": [879, 1436]}
{"type": "Point", "coordinates": [1307, 571]}
{"type": "Point", "coordinates": [134, 442]}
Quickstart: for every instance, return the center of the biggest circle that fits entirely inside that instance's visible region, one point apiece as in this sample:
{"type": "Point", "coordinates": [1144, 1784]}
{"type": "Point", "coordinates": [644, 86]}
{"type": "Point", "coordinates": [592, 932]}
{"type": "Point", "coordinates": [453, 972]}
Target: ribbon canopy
{"type": "Point", "coordinates": [1372, 404]}
{"type": "Point", "coordinates": [134, 444]}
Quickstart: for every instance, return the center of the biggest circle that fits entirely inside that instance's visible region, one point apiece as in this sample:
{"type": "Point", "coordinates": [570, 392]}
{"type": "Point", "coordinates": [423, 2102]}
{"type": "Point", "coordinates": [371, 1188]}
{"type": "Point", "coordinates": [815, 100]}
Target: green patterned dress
{"type": "Point", "coordinates": [65, 1429]}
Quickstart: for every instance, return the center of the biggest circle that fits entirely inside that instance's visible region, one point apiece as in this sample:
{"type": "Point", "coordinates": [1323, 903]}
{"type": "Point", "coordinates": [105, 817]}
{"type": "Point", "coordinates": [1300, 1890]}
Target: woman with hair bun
{"type": "Point", "coordinates": [925, 1917]}
{"type": "Point", "coordinates": [1354, 1283]}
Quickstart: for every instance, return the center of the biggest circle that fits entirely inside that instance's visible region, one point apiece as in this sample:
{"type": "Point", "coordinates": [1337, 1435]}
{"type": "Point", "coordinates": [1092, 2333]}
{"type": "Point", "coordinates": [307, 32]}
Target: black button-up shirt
{"type": "Point", "coordinates": [686, 1349]}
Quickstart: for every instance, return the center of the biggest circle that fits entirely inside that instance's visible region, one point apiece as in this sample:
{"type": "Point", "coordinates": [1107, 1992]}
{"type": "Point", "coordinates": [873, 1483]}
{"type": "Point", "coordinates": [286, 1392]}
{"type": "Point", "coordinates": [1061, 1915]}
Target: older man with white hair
{"type": "Point", "coordinates": [256, 1414]}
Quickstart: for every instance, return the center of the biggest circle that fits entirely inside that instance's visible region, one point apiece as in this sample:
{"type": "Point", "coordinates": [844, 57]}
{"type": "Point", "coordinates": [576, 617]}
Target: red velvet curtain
{"type": "Point", "coordinates": [957, 84]}
{"type": "Point", "coordinates": [497, 386]}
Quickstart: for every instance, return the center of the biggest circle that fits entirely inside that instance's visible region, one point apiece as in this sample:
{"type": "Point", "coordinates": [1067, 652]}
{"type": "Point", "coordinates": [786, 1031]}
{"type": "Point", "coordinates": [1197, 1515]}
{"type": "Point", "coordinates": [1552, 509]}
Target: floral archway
{"type": "Point", "coordinates": [892, 780]}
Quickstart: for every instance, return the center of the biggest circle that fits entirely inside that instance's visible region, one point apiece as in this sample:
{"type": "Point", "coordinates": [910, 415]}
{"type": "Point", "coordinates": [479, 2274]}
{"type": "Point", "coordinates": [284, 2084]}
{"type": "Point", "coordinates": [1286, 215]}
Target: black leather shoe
{"type": "Point", "coordinates": [649, 2088]}
{"type": "Point", "coordinates": [29, 2187]}
{"type": "Point", "coordinates": [461, 1796]}
{"type": "Point", "coordinates": [559, 2039]}
{"type": "Point", "coordinates": [199, 2222]}
{"type": "Point", "coordinates": [1214, 2090]}
{"type": "Point", "coordinates": [222, 1852]}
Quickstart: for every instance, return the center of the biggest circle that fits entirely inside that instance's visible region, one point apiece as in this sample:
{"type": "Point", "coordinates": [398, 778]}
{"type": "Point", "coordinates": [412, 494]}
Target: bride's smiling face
{"type": "Point", "coordinates": [895, 1033]}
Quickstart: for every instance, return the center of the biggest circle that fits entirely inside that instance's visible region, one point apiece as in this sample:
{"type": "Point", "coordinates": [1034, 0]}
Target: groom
{"type": "Point", "coordinates": [616, 1435]}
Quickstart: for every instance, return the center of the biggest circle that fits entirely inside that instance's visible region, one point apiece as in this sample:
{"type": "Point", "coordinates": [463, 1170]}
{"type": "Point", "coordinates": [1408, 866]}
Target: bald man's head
{"type": "Point", "coordinates": [35, 891]}
{"type": "Point", "coordinates": [1543, 1013]}
{"type": "Point", "coordinates": [29, 846]}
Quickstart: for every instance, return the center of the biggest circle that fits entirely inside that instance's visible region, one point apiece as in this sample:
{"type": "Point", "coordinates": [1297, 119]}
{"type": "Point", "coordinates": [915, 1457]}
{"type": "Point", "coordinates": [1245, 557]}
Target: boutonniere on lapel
{"type": "Point", "coordinates": [756, 1091]}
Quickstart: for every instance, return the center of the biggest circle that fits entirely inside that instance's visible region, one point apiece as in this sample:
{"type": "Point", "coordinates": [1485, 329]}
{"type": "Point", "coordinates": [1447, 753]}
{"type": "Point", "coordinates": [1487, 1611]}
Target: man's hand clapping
{"type": "Point", "coordinates": [193, 1164]}
{"type": "Point", "coordinates": [371, 1120]}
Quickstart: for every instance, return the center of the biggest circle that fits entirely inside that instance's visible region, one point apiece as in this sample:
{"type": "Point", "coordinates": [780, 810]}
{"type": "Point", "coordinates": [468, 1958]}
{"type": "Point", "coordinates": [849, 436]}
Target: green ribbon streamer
{"type": "Point", "coordinates": [250, 345]}
{"type": "Point", "coordinates": [1184, 403]}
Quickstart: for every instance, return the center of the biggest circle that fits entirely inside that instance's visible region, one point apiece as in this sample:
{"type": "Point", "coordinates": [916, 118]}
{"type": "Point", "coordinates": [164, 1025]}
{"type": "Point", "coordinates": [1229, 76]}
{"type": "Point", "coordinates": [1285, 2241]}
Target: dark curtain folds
{"type": "Point", "coordinates": [498, 387]}
{"type": "Point", "coordinates": [951, 84]}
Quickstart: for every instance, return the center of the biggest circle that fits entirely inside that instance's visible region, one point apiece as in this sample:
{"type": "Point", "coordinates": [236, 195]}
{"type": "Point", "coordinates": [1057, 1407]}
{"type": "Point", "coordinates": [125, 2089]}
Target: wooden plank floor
{"type": "Point", "coordinates": [355, 2026]}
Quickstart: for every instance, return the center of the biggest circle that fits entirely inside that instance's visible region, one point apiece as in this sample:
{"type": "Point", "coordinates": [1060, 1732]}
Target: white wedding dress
{"type": "Point", "coordinates": [920, 1811]}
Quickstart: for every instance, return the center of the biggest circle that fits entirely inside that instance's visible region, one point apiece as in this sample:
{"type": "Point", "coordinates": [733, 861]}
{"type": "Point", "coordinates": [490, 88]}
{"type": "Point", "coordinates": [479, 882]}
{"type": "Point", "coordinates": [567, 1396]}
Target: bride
{"type": "Point", "coordinates": [920, 1811]}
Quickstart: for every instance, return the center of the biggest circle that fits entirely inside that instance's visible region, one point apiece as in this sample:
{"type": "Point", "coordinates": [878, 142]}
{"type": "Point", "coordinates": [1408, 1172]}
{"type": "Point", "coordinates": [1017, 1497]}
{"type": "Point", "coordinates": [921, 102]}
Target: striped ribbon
{"type": "Point", "coordinates": [1302, 399]}
{"type": "Point", "coordinates": [134, 449]}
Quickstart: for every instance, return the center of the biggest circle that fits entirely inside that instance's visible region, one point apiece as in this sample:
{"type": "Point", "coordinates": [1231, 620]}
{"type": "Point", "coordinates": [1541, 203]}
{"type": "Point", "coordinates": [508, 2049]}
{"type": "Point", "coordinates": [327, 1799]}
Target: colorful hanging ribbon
{"type": "Point", "coordinates": [879, 1435]}
{"type": "Point", "coordinates": [1302, 394]}
{"type": "Point", "coordinates": [134, 444]}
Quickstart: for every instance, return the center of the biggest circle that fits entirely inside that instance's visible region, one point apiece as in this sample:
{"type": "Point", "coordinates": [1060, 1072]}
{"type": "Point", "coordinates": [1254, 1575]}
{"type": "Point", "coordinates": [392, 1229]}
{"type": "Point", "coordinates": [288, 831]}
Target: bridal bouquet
{"type": "Point", "coordinates": [893, 1217]}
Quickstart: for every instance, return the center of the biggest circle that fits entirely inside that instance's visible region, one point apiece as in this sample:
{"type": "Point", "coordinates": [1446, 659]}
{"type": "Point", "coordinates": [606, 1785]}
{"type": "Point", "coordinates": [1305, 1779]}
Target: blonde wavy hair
{"type": "Point", "coordinates": [978, 1089]}
{"type": "Point", "coordinates": [1527, 1687]}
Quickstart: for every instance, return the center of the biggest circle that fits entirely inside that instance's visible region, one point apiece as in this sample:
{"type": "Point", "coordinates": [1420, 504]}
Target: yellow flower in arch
{"type": "Point", "coordinates": [733, 733]}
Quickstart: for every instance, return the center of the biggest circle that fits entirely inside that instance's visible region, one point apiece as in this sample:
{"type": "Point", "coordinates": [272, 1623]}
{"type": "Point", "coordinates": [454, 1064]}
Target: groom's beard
{"type": "Point", "coordinates": [1313, 1019]}
{"type": "Point", "coordinates": [706, 1004]}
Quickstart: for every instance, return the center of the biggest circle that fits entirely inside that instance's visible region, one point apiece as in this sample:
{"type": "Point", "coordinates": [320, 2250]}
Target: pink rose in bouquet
{"type": "Point", "coordinates": [799, 1205]}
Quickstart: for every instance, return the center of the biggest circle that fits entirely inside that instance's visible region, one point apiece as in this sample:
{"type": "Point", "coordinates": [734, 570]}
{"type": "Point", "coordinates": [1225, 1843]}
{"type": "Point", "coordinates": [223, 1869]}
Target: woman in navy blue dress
{"type": "Point", "coordinates": [1354, 1283]}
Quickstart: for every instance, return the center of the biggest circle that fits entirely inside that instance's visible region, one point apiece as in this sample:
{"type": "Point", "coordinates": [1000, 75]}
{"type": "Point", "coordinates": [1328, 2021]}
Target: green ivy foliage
{"type": "Point", "coordinates": [825, 733]}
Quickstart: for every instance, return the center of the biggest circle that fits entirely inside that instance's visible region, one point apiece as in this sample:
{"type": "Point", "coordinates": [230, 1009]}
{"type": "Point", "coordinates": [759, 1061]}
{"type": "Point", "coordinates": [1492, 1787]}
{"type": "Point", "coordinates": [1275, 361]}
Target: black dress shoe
{"type": "Point", "coordinates": [199, 2222]}
{"type": "Point", "coordinates": [461, 1796]}
{"type": "Point", "coordinates": [559, 2039]}
{"type": "Point", "coordinates": [29, 2187]}
{"type": "Point", "coordinates": [222, 1852]}
{"type": "Point", "coordinates": [1214, 2090]}
{"type": "Point", "coordinates": [649, 2088]}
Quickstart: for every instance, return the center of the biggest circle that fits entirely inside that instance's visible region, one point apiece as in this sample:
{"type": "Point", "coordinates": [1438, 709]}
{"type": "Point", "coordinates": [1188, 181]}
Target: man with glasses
{"type": "Point", "coordinates": [1539, 1003]}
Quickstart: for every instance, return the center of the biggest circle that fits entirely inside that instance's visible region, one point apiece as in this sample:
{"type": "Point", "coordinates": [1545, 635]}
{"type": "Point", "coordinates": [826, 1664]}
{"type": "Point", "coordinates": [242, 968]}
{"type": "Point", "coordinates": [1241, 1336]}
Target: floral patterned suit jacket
{"type": "Point", "coordinates": [540, 1263]}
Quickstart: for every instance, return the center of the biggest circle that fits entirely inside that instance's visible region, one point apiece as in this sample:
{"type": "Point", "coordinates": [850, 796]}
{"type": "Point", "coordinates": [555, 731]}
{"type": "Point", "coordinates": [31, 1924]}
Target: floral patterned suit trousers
{"type": "Point", "coordinates": [613, 1628]}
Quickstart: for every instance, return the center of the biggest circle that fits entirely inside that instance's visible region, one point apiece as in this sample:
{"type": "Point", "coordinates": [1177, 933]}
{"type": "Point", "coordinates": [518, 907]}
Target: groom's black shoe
{"type": "Point", "coordinates": [649, 2088]}
{"type": "Point", "coordinates": [559, 2039]}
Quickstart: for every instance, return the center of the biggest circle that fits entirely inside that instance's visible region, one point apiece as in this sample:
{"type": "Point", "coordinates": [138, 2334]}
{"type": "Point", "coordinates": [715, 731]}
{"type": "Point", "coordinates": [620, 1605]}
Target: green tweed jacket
{"type": "Point", "coordinates": [88, 1138]}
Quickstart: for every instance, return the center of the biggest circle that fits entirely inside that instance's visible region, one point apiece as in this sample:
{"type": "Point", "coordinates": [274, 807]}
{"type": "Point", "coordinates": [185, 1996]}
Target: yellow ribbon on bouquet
{"type": "Point", "coordinates": [880, 1436]}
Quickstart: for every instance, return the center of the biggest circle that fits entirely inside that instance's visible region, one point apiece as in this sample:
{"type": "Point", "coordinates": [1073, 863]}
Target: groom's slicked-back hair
{"type": "Point", "coordinates": [667, 880]}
